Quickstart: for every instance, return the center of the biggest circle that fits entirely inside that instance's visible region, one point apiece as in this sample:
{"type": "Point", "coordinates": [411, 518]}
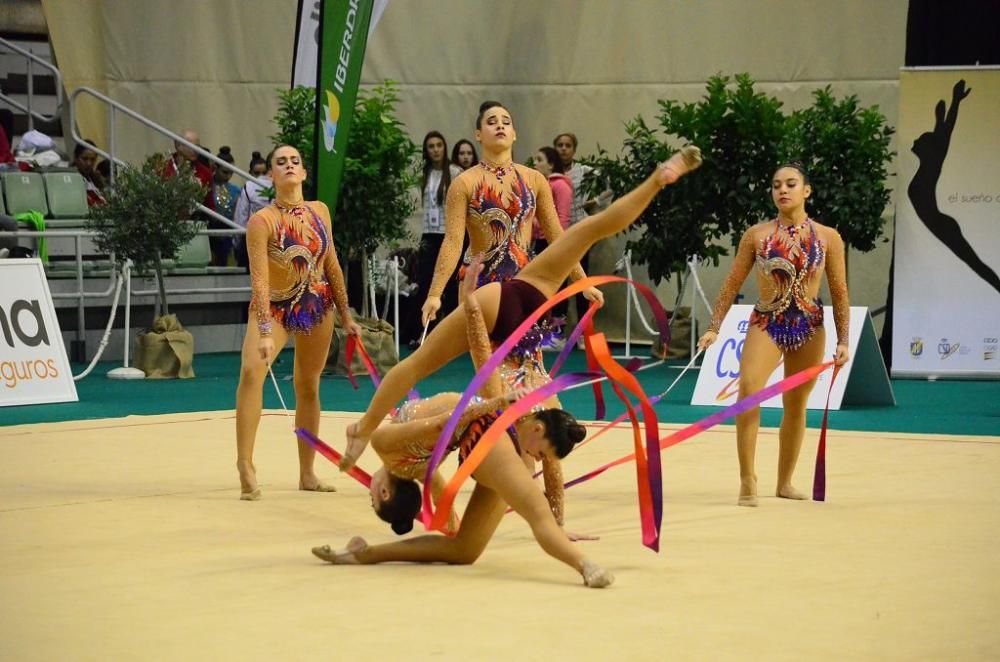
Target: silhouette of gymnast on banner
{"type": "Point", "coordinates": [931, 149]}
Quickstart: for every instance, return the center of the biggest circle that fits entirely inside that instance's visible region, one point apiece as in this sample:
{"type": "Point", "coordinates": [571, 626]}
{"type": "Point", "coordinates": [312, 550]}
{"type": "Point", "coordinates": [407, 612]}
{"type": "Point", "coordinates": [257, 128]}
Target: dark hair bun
{"type": "Point", "coordinates": [486, 105]}
{"type": "Point", "coordinates": [577, 433]}
{"type": "Point", "coordinates": [402, 526]}
{"type": "Point", "coordinates": [225, 149]}
{"type": "Point", "coordinates": [256, 155]}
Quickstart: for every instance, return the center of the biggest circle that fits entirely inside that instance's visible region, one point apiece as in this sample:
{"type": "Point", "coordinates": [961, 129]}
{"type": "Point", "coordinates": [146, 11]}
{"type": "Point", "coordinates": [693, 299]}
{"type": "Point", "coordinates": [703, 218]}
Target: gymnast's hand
{"type": "Point", "coordinates": [352, 328]}
{"type": "Point", "coordinates": [707, 339]}
{"type": "Point", "coordinates": [577, 537]}
{"type": "Point", "coordinates": [471, 281]}
{"type": "Point", "coordinates": [595, 295]}
{"type": "Point", "coordinates": [429, 312]}
{"type": "Point", "coordinates": [841, 356]}
{"type": "Point", "coordinates": [266, 348]}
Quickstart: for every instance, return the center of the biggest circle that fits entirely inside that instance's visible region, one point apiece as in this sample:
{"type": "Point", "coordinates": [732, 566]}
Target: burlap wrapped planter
{"type": "Point", "coordinates": [166, 351]}
{"type": "Point", "coordinates": [379, 340]}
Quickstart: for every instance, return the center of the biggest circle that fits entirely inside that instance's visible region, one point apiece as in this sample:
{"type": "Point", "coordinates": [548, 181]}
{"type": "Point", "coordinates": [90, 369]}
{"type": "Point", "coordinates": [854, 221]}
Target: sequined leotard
{"type": "Point", "coordinates": [497, 207]}
{"type": "Point", "coordinates": [790, 261]}
{"type": "Point", "coordinates": [294, 271]}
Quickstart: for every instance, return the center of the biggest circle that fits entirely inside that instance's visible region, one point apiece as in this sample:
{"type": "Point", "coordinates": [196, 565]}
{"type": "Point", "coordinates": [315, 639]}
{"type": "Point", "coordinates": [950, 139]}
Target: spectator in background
{"type": "Point", "coordinates": [224, 196]}
{"type": "Point", "coordinates": [6, 155]}
{"type": "Point", "coordinates": [565, 145]}
{"type": "Point", "coordinates": [252, 199]}
{"type": "Point", "coordinates": [464, 154]}
{"type": "Point", "coordinates": [201, 171]}
{"type": "Point", "coordinates": [85, 161]}
{"type": "Point", "coordinates": [437, 176]}
{"type": "Point", "coordinates": [548, 163]}
{"type": "Point", "coordinates": [258, 165]}
{"type": "Point", "coordinates": [103, 168]}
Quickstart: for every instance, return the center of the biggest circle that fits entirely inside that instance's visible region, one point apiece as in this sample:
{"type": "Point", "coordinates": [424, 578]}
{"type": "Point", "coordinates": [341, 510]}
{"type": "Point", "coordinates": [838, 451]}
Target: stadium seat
{"type": "Point", "coordinates": [24, 191]}
{"type": "Point", "coordinates": [194, 257]}
{"type": "Point", "coordinates": [67, 195]}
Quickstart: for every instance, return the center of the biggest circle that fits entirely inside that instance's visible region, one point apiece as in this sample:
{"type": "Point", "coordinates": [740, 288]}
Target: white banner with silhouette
{"type": "Point", "coordinates": [946, 305]}
{"type": "Point", "coordinates": [33, 363]}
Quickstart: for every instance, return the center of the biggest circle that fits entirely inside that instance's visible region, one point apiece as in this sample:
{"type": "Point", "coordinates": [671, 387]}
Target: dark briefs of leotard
{"type": "Point", "coordinates": [518, 299]}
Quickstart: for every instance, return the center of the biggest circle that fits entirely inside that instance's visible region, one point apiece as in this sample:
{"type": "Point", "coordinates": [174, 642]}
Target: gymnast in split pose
{"type": "Point", "coordinates": [406, 444]}
{"type": "Point", "coordinates": [791, 254]}
{"type": "Point", "coordinates": [297, 282]}
{"type": "Point", "coordinates": [505, 305]}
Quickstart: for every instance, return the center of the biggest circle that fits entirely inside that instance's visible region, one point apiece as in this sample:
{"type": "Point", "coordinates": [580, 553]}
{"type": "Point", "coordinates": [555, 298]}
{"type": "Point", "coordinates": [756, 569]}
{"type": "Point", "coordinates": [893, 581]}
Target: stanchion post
{"type": "Point", "coordinates": [126, 371]}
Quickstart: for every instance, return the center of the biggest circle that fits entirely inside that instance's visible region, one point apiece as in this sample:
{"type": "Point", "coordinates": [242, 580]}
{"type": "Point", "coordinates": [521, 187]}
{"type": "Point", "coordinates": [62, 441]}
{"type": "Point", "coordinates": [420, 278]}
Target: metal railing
{"type": "Point", "coordinates": [34, 60]}
{"type": "Point", "coordinates": [81, 295]}
{"type": "Point", "coordinates": [114, 108]}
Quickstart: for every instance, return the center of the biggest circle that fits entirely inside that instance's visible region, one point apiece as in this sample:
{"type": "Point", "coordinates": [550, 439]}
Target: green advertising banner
{"type": "Point", "coordinates": [343, 37]}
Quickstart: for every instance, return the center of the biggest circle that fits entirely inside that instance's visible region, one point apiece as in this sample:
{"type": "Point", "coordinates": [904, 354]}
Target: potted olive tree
{"type": "Point", "coordinates": [146, 221]}
{"type": "Point", "coordinates": [743, 135]}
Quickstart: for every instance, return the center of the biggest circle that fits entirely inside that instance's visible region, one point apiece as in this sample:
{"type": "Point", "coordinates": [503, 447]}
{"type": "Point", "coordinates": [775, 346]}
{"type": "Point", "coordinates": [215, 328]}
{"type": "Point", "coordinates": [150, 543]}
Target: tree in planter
{"type": "Point", "coordinates": [145, 218]}
{"type": "Point", "coordinates": [379, 169]}
{"type": "Point", "coordinates": [845, 149]}
{"type": "Point", "coordinates": [743, 136]}
{"type": "Point", "coordinates": [739, 131]}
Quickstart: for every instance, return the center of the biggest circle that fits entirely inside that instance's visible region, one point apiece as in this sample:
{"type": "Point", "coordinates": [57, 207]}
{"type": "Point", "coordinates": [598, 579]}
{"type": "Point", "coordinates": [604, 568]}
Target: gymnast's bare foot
{"type": "Point", "coordinates": [594, 576]}
{"type": "Point", "coordinates": [748, 492]}
{"type": "Point", "coordinates": [678, 165]}
{"type": "Point", "coordinates": [248, 481]}
{"type": "Point", "coordinates": [789, 492]}
{"type": "Point", "coordinates": [347, 556]}
{"type": "Point", "coordinates": [310, 483]}
{"type": "Point", "coordinates": [355, 447]}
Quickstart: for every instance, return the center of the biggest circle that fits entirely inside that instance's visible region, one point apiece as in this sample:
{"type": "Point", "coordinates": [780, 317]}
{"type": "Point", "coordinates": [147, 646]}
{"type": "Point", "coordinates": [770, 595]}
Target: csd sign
{"type": "Point", "coordinates": [33, 363]}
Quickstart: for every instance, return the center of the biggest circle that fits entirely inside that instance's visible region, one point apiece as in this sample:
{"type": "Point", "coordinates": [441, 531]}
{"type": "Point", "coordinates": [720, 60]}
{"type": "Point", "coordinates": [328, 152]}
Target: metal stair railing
{"type": "Point", "coordinates": [34, 60]}
{"type": "Point", "coordinates": [113, 108]}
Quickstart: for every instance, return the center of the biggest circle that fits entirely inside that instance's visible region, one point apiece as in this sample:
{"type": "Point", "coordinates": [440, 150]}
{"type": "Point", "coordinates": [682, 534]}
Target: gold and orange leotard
{"type": "Point", "coordinates": [294, 272]}
{"type": "Point", "coordinates": [790, 261]}
{"type": "Point", "coordinates": [496, 207]}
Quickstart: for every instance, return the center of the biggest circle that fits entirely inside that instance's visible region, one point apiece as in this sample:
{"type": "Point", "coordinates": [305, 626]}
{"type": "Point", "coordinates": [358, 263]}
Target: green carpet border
{"type": "Point", "coordinates": [926, 407]}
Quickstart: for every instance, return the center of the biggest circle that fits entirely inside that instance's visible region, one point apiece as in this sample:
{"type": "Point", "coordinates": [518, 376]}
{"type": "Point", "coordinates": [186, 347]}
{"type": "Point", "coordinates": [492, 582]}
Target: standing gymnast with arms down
{"type": "Point", "coordinates": [497, 203]}
{"type": "Point", "coordinates": [791, 254]}
{"type": "Point", "coordinates": [296, 280]}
